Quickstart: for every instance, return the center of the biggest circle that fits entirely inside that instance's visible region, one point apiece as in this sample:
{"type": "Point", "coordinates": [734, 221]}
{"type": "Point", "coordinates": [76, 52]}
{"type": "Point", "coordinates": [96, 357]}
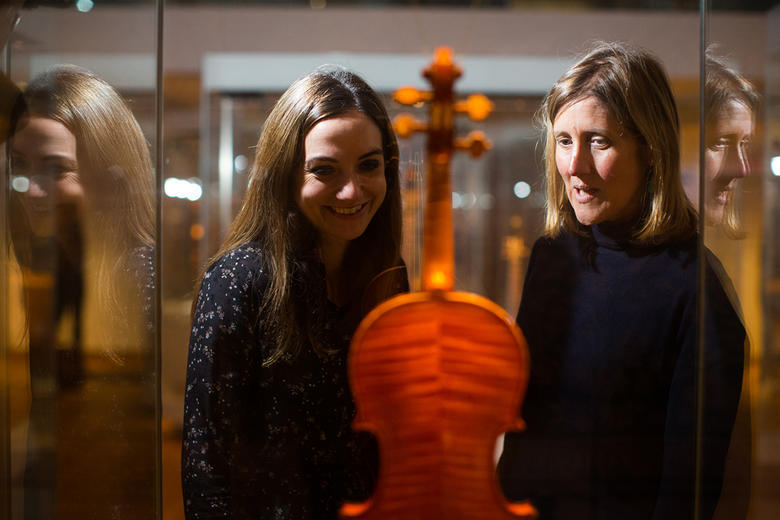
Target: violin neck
{"type": "Point", "coordinates": [438, 270]}
{"type": "Point", "coordinates": [438, 241]}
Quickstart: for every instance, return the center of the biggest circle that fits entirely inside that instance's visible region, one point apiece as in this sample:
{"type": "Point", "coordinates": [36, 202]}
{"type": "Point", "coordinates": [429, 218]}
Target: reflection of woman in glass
{"type": "Point", "coordinates": [268, 408]}
{"type": "Point", "coordinates": [82, 189]}
{"type": "Point", "coordinates": [89, 173]}
{"type": "Point", "coordinates": [730, 105]}
{"type": "Point", "coordinates": [609, 309]}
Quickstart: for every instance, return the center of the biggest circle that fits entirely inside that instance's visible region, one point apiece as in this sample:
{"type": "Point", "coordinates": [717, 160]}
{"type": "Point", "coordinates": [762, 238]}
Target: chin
{"type": "Point", "coordinates": [715, 214]}
{"type": "Point", "coordinates": [588, 219]}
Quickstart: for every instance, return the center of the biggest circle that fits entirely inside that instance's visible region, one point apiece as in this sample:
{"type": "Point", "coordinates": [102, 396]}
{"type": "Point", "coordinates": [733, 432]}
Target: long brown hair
{"type": "Point", "coordinates": [270, 216]}
{"type": "Point", "coordinates": [632, 83]}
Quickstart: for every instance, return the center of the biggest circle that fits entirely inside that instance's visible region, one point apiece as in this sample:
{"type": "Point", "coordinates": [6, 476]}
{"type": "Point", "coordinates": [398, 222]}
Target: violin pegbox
{"type": "Point", "coordinates": [442, 74]}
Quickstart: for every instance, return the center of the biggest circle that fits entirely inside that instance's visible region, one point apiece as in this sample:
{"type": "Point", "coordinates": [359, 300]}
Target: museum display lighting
{"type": "Point", "coordinates": [189, 189]}
{"type": "Point", "coordinates": [775, 165]}
{"type": "Point", "coordinates": [522, 189]}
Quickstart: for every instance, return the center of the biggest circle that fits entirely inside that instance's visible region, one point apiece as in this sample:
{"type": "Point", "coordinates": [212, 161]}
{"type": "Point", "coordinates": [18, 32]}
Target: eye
{"type": "Point", "coordinates": [600, 141]}
{"type": "Point", "coordinates": [720, 145]}
{"type": "Point", "coordinates": [369, 165]}
{"type": "Point", "coordinates": [57, 170]}
{"type": "Point", "coordinates": [320, 170]}
{"type": "Point", "coordinates": [563, 140]}
{"type": "Point", "coordinates": [69, 175]}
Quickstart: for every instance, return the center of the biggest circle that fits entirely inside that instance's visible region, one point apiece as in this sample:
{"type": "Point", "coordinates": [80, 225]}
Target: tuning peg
{"type": "Point", "coordinates": [411, 96]}
{"type": "Point", "coordinates": [477, 106]}
{"type": "Point", "coordinates": [406, 124]}
{"type": "Point", "coordinates": [476, 143]}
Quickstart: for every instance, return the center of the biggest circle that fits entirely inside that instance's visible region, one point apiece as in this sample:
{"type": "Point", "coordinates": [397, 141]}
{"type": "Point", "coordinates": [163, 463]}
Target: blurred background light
{"type": "Point", "coordinates": [522, 189]}
{"type": "Point", "coordinates": [189, 189]}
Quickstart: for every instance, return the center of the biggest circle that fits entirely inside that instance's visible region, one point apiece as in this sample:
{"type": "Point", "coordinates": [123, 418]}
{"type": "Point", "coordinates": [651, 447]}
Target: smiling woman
{"type": "Point", "coordinates": [342, 184]}
{"type": "Point", "coordinates": [268, 407]}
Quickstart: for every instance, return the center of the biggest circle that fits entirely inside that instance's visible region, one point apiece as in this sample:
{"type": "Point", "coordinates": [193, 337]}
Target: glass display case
{"type": "Point", "coordinates": [102, 249]}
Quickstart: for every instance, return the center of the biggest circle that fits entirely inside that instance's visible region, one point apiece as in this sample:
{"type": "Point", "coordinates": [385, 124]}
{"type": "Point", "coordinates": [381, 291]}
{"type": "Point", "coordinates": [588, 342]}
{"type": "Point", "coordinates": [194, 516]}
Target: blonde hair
{"type": "Point", "coordinates": [270, 215]}
{"type": "Point", "coordinates": [723, 85]}
{"type": "Point", "coordinates": [633, 85]}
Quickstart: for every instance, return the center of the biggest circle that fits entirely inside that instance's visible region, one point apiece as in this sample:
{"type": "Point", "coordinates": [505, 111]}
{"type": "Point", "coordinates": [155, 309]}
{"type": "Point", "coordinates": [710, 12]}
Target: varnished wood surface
{"type": "Point", "coordinates": [437, 378]}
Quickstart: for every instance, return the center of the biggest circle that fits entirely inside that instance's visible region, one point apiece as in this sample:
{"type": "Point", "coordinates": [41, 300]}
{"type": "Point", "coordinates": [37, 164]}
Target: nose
{"type": "Point", "coordinates": [37, 189]}
{"type": "Point", "coordinates": [577, 161]}
{"type": "Point", "coordinates": [737, 162]}
{"type": "Point", "coordinates": [743, 169]}
{"type": "Point", "coordinates": [352, 187]}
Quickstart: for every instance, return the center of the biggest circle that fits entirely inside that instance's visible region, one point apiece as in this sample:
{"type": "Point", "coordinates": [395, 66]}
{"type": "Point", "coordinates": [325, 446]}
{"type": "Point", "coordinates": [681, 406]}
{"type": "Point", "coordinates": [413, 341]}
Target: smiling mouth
{"type": "Point", "coordinates": [347, 212]}
{"type": "Point", "coordinates": [584, 193]}
{"type": "Point", "coordinates": [721, 193]}
{"type": "Point", "coordinates": [723, 196]}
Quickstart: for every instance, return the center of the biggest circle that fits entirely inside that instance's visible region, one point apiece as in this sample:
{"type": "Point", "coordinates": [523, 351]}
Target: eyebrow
{"type": "Point", "coordinates": [587, 133]}
{"type": "Point", "coordinates": [49, 157]}
{"type": "Point", "coordinates": [376, 151]}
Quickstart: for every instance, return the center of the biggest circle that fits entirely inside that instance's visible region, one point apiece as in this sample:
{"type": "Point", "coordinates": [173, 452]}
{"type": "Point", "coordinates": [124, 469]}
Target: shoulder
{"type": "Point", "coordinates": [234, 281]}
{"type": "Point", "coordinates": [558, 252]}
{"type": "Point", "coordinates": [239, 268]}
{"type": "Point", "coordinates": [681, 265]}
{"type": "Point", "coordinates": [546, 245]}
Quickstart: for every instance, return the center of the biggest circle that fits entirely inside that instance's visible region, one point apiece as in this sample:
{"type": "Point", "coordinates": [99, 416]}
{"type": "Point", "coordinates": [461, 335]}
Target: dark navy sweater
{"type": "Point", "coordinates": [612, 401]}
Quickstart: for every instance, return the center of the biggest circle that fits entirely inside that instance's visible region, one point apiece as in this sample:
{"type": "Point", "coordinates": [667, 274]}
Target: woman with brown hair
{"type": "Point", "coordinates": [268, 407]}
{"type": "Point", "coordinates": [88, 183]}
{"type": "Point", "coordinates": [610, 310]}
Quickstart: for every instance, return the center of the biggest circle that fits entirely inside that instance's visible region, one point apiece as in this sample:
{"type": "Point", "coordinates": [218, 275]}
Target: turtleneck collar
{"type": "Point", "coordinates": [612, 236]}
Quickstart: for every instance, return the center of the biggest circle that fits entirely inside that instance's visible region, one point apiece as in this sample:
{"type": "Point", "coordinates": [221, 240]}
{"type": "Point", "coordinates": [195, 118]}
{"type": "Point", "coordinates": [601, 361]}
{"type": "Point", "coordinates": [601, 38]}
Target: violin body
{"type": "Point", "coordinates": [439, 376]}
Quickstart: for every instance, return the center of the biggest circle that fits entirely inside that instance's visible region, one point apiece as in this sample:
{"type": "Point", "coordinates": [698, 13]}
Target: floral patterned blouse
{"type": "Point", "coordinates": [268, 442]}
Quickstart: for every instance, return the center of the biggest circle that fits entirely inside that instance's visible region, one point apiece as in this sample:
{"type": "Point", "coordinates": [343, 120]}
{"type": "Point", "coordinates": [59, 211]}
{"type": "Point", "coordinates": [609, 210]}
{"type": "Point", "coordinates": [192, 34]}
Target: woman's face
{"type": "Point", "coordinates": [44, 152]}
{"type": "Point", "coordinates": [342, 183]}
{"type": "Point", "coordinates": [599, 161]}
{"type": "Point", "coordinates": [726, 158]}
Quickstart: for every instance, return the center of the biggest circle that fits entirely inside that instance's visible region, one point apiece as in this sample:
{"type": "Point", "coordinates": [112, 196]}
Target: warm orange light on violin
{"type": "Point", "coordinates": [443, 56]}
{"type": "Point", "coordinates": [405, 125]}
{"type": "Point", "coordinates": [438, 280]}
{"type": "Point", "coordinates": [477, 106]}
{"type": "Point", "coordinates": [476, 143]}
{"type": "Point", "coordinates": [411, 96]}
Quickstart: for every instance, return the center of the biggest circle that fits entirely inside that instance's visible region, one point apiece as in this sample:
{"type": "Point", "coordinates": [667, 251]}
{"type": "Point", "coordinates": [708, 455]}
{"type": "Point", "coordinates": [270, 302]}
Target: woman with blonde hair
{"type": "Point", "coordinates": [730, 108]}
{"type": "Point", "coordinates": [610, 311]}
{"type": "Point", "coordinates": [268, 407]}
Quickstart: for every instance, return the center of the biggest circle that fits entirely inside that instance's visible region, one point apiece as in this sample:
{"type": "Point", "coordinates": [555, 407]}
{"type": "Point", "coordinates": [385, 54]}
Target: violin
{"type": "Point", "coordinates": [438, 375]}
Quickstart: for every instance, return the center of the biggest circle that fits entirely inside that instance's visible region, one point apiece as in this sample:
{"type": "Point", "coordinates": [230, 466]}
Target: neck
{"type": "Point", "coordinates": [332, 256]}
{"type": "Point", "coordinates": [619, 231]}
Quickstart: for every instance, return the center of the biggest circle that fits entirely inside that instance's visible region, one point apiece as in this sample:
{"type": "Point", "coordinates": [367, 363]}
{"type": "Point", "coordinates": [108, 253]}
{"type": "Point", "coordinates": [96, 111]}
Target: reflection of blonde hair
{"type": "Point", "coordinates": [115, 171]}
{"type": "Point", "coordinates": [633, 85]}
{"type": "Point", "coordinates": [270, 215]}
{"type": "Point", "coordinates": [722, 86]}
